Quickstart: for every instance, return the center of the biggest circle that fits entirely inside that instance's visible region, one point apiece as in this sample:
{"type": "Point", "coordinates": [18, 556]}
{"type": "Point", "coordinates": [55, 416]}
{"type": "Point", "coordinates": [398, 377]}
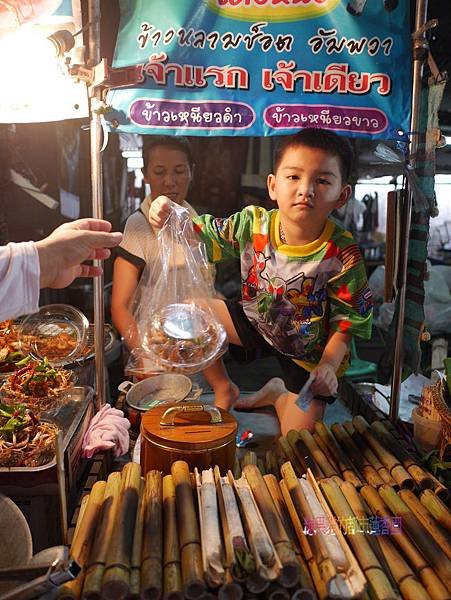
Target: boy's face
{"type": "Point", "coordinates": [307, 185]}
{"type": "Point", "coordinates": [168, 173]}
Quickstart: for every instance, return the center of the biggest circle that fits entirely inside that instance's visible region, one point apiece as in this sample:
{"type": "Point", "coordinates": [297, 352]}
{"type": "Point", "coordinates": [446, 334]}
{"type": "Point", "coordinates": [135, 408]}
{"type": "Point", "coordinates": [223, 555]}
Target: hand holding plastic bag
{"type": "Point", "coordinates": [176, 327]}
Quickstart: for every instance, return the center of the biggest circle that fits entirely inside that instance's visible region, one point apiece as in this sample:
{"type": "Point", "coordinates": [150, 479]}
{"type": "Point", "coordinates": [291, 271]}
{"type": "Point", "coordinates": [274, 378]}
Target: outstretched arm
{"type": "Point", "coordinates": [326, 383]}
{"type": "Point", "coordinates": [62, 254]}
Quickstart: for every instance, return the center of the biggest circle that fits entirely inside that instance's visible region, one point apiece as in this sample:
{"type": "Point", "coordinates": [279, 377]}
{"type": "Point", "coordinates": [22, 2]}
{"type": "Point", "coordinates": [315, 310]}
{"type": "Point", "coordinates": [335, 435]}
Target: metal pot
{"type": "Point", "coordinates": [148, 393]}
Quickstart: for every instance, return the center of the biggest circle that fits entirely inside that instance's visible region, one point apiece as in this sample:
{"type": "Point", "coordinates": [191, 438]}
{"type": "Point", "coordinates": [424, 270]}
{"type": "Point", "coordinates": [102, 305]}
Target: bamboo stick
{"type": "Point", "coordinates": [210, 533]}
{"type": "Point", "coordinates": [239, 561]}
{"type": "Point", "coordinates": [325, 450]}
{"type": "Point", "coordinates": [369, 455]}
{"type": "Point", "coordinates": [379, 583]}
{"type": "Point", "coordinates": [82, 542]}
{"type": "Point", "coordinates": [418, 474]}
{"type": "Point", "coordinates": [397, 471]}
{"type": "Point", "coordinates": [432, 552]}
{"type": "Point", "coordinates": [94, 574]}
{"type": "Point", "coordinates": [357, 458]}
{"type": "Point", "coordinates": [266, 558]}
{"type": "Point", "coordinates": [318, 455]}
{"type": "Point", "coordinates": [344, 465]}
{"type": "Point", "coordinates": [272, 466]}
{"type": "Point", "coordinates": [295, 515]}
{"type": "Point", "coordinates": [135, 563]}
{"type": "Point", "coordinates": [152, 542]}
{"type": "Point", "coordinates": [305, 580]}
{"type": "Point", "coordinates": [236, 467]}
{"type": "Point", "coordinates": [439, 489]}
{"type": "Point", "coordinates": [292, 453]}
{"type": "Point", "coordinates": [362, 511]}
{"type": "Point", "coordinates": [116, 578]}
{"type": "Point", "coordinates": [172, 574]}
{"type": "Point", "coordinates": [249, 458]}
{"type": "Point", "coordinates": [428, 522]}
{"type": "Point", "coordinates": [430, 580]}
{"type": "Point", "coordinates": [289, 573]}
{"type": "Point", "coordinates": [437, 508]}
{"type": "Point", "coordinates": [191, 554]}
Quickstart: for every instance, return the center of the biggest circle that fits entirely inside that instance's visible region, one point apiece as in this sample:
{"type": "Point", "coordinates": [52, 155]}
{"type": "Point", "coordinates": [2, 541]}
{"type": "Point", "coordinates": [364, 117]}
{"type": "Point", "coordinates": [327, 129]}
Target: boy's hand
{"type": "Point", "coordinates": [326, 383]}
{"type": "Point", "coordinates": [160, 210]}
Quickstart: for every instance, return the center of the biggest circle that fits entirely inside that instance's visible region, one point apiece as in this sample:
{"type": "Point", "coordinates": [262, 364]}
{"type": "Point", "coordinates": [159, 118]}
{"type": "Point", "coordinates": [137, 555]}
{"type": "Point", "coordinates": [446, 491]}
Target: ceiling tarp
{"type": "Point", "coordinates": [264, 67]}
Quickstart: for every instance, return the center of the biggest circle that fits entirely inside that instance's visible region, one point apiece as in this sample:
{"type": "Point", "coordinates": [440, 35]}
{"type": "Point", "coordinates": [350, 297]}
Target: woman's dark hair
{"type": "Point", "coordinates": [175, 143]}
{"type": "Point", "coordinates": [324, 139]}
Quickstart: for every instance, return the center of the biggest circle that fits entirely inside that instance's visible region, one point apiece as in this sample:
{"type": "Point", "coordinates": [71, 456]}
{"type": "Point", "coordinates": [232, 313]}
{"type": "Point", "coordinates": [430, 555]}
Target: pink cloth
{"type": "Point", "coordinates": [108, 429]}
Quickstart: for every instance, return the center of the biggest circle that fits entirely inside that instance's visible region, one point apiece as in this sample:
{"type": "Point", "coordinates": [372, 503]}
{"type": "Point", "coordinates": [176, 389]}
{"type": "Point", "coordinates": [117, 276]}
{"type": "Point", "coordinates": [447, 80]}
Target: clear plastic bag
{"type": "Point", "coordinates": [175, 328]}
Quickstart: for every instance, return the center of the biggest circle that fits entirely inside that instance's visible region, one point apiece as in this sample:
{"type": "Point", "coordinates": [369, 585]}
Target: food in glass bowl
{"type": "Point", "coordinates": [25, 441]}
{"type": "Point", "coordinates": [184, 336]}
{"type": "Point", "coordinates": [11, 356]}
{"type": "Point", "coordinates": [37, 384]}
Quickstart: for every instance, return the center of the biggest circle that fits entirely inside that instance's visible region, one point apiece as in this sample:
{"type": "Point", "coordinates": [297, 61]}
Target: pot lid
{"type": "Point", "coordinates": [57, 331]}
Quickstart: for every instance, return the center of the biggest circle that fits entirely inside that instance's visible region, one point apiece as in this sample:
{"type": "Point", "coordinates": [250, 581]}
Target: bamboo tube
{"type": "Point", "coordinates": [239, 561]}
{"type": "Point", "coordinates": [289, 573]}
{"type": "Point", "coordinates": [172, 574]}
{"type": "Point", "coordinates": [152, 542]}
{"type": "Point", "coordinates": [431, 551]}
{"type": "Point", "coordinates": [302, 455]}
{"type": "Point", "coordinates": [360, 442]}
{"type": "Point", "coordinates": [266, 558]}
{"type": "Point", "coordinates": [357, 458]}
{"type": "Point", "coordinates": [344, 465]}
{"type": "Point", "coordinates": [318, 455]}
{"type": "Point", "coordinates": [325, 450]}
{"type": "Point", "coordinates": [431, 582]}
{"type": "Point", "coordinates": [81, 544]}
{"type": "Point", "coordinates": [319, 582]}
{"type": "Point", "coordinates": [272, 466]}
{"type": "Point", "coordinates": [191, 554]}
{"type": "Point", "coordinates": [440, 490]}
{"type": "Point", "coordinates": [362, 511]}
{"type": "Point", "coordinates": [397, 471]}
{"type": "Point", "coordinates": [305, 580]}
{"type": "Point", "coordinates": [210, 533]}
{"type": "Point", "coordinates": [292, 453]}
{"type": "Point", "coordinates": [135, 563]}
{"type": "Point", "coordinates": [236, 467]}
{"type": "Point", "coordinates": [437, 508]}
{"type": "Point", "coordinates": [379, 583]}
{"type": "Point", "coordinates": [116, 578]}
{"type": "Point", "coordinates": [94, 574]}
{"type": "Point", "coordinates": [428, 522]}
{"type": "Point", "coordinates": [249, 458]}
{"type": "Point", "coordinates": [418, 474]}
{"type": "Point", "coordinates": [276, 592]}
{"type": "Point", "coordinates": [323, 548]}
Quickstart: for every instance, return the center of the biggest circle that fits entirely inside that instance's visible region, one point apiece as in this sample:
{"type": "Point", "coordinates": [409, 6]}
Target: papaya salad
{"type": "Point", "coordinates": [25, 441]}
{"type": "Point", "coordinates": [36, 383]}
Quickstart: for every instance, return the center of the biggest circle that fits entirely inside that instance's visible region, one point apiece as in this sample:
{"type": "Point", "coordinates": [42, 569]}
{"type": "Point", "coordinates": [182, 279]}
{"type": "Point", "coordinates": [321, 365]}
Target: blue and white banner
{"type": "Point", "coordinates": [264, 67]}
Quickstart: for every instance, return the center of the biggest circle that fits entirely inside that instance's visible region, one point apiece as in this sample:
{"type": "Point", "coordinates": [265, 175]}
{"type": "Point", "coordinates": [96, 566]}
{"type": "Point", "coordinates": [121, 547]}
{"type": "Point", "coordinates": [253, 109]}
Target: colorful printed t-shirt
{"type": "Point", "coordinates": [293, 295]}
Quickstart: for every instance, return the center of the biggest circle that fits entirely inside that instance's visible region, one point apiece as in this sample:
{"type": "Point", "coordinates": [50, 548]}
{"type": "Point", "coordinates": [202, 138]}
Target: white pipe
{"type": "Point", "coordinates": [420, 49]}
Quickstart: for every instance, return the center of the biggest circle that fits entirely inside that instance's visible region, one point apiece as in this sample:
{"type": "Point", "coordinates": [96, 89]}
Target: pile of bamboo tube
{"type": "Point", "coordinates": [244, 535]}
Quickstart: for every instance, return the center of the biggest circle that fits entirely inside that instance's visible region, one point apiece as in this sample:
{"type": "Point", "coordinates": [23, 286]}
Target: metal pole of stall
{"type": "Point", "coordinates": [97, 198]}
{"type": "Point", "coordinates": [420, 48]}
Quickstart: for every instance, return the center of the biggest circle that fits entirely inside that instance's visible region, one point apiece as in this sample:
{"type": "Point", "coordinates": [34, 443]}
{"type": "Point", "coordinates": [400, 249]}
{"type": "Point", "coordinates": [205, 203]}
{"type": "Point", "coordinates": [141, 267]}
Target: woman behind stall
{"type": "Point", "coordinates": [168, 169]}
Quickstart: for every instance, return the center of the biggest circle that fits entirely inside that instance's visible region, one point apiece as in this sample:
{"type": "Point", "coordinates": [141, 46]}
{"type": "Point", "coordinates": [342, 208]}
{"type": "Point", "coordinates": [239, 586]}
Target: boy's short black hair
{"type": "Point", "coordinates": [174, 142]}
{"type": "Point", "coordinates": [324, 139]}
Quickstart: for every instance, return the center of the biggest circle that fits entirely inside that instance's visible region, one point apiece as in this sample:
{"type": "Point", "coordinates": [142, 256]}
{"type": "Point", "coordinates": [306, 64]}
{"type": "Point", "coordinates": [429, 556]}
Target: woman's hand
{"type": "Point", "coordinates": [326, 383]}
{"type": "Point", "coordinates": [160, 210]}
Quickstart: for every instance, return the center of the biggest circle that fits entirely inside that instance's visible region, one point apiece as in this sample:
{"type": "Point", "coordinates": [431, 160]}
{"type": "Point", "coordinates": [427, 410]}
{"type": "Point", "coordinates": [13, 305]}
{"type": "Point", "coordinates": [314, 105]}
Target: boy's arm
{"type": "Point", "coordinates": [326, 383]}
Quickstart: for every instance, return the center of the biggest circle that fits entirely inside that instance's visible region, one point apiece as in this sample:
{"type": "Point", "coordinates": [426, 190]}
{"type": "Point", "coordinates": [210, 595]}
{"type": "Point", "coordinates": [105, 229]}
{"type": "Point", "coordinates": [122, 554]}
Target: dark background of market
{"type": "Point", "coordinates": [46, 152]}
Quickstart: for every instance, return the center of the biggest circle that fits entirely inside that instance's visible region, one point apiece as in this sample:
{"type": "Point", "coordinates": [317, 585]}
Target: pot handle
{"type": "Point", "coordinates": [169, 414]}
{"type": "Point", "coordinates": [125, 386]}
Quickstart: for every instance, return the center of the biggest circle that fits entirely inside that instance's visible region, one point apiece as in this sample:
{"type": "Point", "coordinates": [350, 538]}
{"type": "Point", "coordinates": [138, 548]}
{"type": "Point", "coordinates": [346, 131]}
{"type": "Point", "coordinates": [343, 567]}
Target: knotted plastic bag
{"type": "Point", "coordinates": [175, 328]}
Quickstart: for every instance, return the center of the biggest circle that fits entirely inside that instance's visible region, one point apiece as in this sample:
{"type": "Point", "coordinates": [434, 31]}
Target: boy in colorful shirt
{"type": "Point", "coordinates": [304, 287]}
